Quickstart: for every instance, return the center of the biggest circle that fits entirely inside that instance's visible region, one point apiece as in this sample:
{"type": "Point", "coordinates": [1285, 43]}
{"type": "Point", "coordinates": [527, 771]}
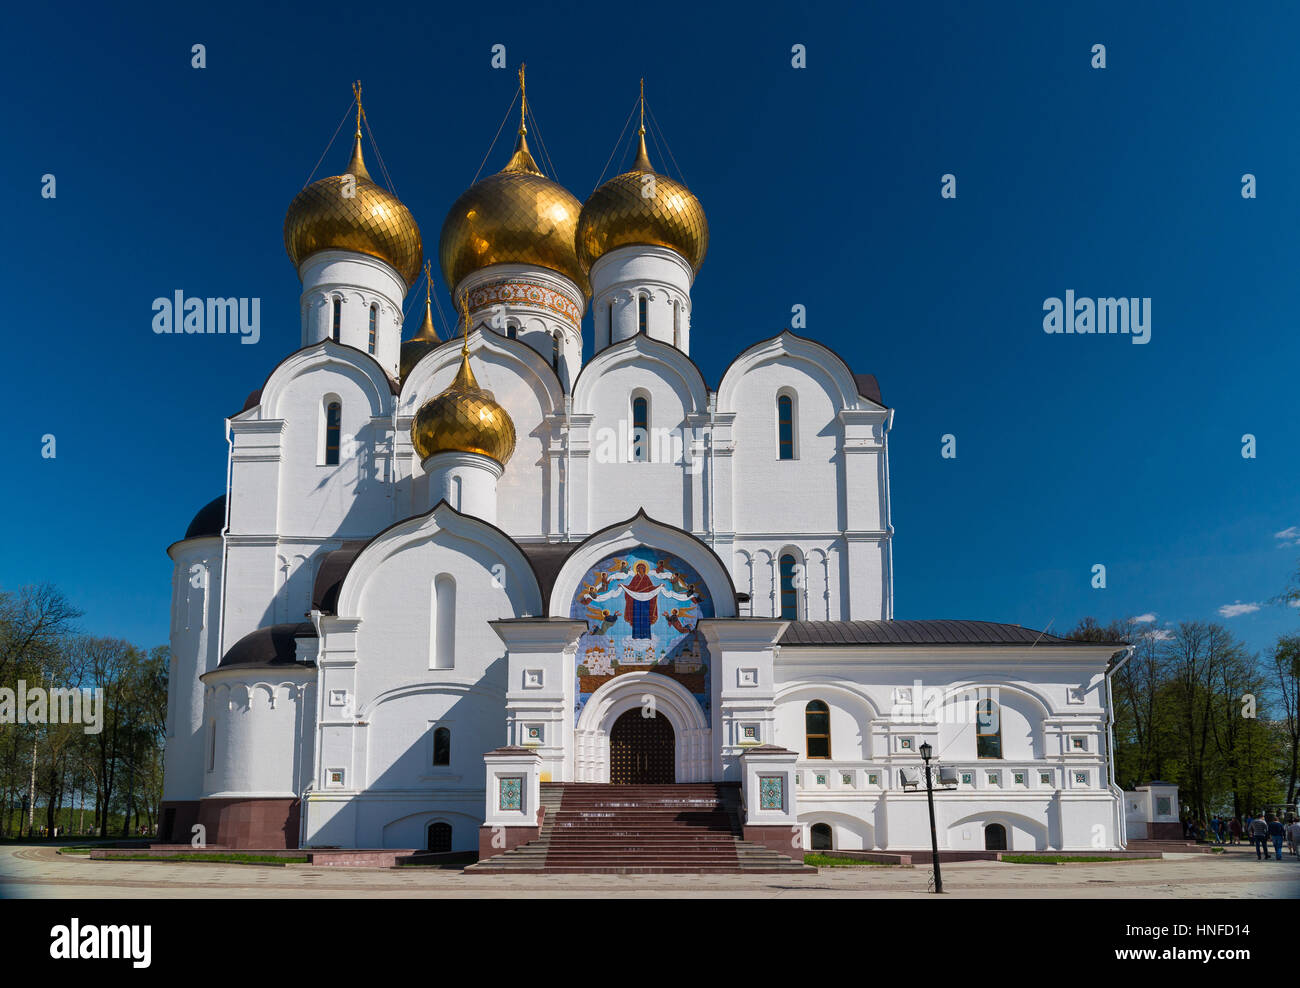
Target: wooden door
{"type": "Point", "coordinates": [642, 751]}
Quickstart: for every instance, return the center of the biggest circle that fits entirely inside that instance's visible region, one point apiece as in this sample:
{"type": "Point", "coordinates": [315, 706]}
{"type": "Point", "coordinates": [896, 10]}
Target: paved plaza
{"type": "Point", "coordinates": [35, 871]}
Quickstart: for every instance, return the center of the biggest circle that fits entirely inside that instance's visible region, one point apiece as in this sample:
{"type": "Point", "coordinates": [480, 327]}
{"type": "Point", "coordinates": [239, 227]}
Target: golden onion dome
{"type": "Point", "coordinates": [464, 419]}
{"type": "Point", "coordinates": [517, 216]}
{"type": "Point", "coordinates": [621, 213]}
{"type": "Point", "coordinates": [424, 340]}
{"type": "Point", "coordinates": [369, 221]}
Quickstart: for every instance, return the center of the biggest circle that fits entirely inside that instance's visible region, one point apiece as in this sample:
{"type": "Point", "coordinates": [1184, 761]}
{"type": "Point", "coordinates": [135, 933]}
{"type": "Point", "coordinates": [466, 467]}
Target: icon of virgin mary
{"type": "Point", "coordinates": [641, 602]}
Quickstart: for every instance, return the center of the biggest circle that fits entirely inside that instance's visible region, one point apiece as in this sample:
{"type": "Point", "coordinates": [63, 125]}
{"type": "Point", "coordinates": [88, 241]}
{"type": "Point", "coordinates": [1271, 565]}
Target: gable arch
{"type": "Point", "coordinates": [348, 362]}
{"type": "Point", "coordinates": [532, 369]}
{"type": "Point", "coordinates": [650, 356]}
{"type": "Point", "coordinates": [518, 575]}
{"type": "Point", "coordinates": [819, 362]}
{"type": "Point", "coordinates": [642, 530]}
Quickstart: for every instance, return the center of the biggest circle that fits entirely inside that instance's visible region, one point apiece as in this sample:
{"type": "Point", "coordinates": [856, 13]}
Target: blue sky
{"type": "Point", "coordinates": [821, 187]}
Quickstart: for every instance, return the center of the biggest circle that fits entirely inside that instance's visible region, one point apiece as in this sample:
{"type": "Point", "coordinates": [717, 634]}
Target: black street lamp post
{"type": "Point", "coordinates": [926, 752]}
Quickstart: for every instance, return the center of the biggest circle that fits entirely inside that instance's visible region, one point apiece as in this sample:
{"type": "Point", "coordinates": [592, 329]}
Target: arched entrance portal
{"type": "Point", "coordinates": [642, 750]}
{"type": "Point", "coordinates": [995, 837]}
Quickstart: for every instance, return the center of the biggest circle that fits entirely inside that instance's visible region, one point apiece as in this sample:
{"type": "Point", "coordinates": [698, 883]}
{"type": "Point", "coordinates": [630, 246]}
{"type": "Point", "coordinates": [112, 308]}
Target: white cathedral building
{"type": "Point", "coordinates": [454, 584]}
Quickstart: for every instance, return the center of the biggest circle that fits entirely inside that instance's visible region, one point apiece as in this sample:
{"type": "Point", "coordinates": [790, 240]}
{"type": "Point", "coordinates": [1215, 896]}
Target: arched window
{"type": "Point", "coordinates": [455, 493]}
{"type": "Point", "coordinates": [995, 837]}
{"type": "Point", "coordinates": [817, 729]}
{"type": "Point", "coordinates": [440, 837]}
{"type": "Point", "coordinates": [821, 837]}
{"type": "Point", "coordinates": [442, 746]}
{"type": "Point", "coordinates": [785, 427]}
{"type": "Point", "coordinates": [512, 330]}
{"type": "Point", "coordinates": [642, 305]}
{"type": "Point", "coordinates": [212, 745]}
{"type": "Point", "coordinates": [988, 729]}
{"type": "Point", "coordinates": [338, 320]}
{"type": "Point", "coordinates": [610, 339]}
{"type": "Point", "coordinates": [677, 325]}
{"type": "Point", "coordinates": [640, 429]}
{"type": "Point", "coordinates": [374, 315]}
{"type": "Point", "coordinates": [555, 350]}
{"type": "Point", "coordinates": [333, 422]}
{"type": "Point", "coordinates": [789, 590]}
{"type": "Point", "coordinates": [444, 623]}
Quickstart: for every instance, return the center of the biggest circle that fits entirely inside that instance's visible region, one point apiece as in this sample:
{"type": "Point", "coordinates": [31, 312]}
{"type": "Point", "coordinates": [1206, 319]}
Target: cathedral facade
{"type": "Point", "coordinates": [447, 574]}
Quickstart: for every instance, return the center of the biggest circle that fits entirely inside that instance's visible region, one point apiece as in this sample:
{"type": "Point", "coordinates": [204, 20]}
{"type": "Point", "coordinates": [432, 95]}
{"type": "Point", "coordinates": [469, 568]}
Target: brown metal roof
{"type": "Point", "coordinates": [941, 632]}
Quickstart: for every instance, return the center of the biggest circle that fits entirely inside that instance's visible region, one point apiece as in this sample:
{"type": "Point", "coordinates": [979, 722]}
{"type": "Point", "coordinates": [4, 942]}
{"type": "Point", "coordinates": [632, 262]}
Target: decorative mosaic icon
{"type": "Point", "coordinates": [751, 732]}
{"type": "Point", "coordinates": [873, 779]}
{"type": "Point", "coordinates": [905, 744]}
{"type": "Point", "coordinates": [512, 793]}
{"type": "Point", "coordinates": [967, 779]}
{"type": "Point", "coordinates": [821, 778]}
{"type": "Point", "coordinates": [846, 778]}
{"type": "Point", "coordinates": [1081, 778]}
{"type": "Point", "coordinates": [1045, 778]}
{"type": "Point", "coordinates": [771, 792]}
{"type": "Point", "coordinates": [1079, 744]}
{"type": "Point", "coordinates": [535, 733]}
{"type": "Point", "coordinates": [1020, 778]}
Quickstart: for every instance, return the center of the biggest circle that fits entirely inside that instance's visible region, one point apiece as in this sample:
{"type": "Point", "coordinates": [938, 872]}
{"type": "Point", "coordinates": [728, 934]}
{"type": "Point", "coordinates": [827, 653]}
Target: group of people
{"type": "Point", "coordinates": [1260, 829]}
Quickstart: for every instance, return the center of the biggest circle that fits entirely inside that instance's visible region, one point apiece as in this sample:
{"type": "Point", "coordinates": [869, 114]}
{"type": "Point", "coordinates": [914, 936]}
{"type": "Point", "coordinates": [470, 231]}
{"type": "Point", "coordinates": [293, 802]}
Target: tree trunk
{"type": "Point", "coordinates": [31, 799]}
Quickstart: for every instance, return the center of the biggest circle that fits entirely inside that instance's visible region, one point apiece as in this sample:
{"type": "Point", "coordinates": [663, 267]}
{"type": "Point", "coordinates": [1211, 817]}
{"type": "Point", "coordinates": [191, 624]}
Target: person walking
{"type": "Point", "coordinates": [1234, 830]}
{"type": "Point", "coordinates": [1278, 833]}
{"type": "Point", "coordinates": [1258, 831]}
{"type": "Point", "coordinates": [1293, 837]}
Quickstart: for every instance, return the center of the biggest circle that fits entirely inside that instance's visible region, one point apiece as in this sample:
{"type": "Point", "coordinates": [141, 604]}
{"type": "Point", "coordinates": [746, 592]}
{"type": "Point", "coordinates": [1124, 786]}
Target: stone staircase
{"type": "Point", "coordinates": [622, 830]}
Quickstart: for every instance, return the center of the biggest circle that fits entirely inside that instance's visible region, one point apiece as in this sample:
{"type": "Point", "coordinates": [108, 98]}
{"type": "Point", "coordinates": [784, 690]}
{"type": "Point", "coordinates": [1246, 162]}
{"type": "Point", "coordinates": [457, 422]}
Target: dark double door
{"type": "Point", "coordinates": [642, 751]}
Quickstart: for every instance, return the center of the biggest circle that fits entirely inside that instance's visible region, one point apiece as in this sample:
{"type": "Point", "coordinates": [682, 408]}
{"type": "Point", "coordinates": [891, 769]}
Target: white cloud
{"type": "Point", "coordinates": [1289, 536]}
{"type": "Point", "coordinates": [1148, 618]}
{"type": "Point", "coordinates": [1237, 609]}
{"type": "Point", "coordinates": [1158, 635]}
{"type": "Point", "coordinates": [1294, 603]}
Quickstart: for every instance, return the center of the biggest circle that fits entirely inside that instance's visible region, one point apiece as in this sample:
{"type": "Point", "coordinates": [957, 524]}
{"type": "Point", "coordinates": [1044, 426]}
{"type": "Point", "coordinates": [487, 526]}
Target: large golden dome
{"type": "Point", "coordinates": [619, 213]}
{"type": "Point", "coordinates": [517, 216]}
{"type": "Point", "coordinates": [464, 419]}
{"type": "Point", "coordinates": [372, 221]}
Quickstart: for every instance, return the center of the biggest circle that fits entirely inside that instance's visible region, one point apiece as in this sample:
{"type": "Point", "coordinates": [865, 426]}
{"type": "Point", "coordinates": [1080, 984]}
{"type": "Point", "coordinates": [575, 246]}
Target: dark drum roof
{"type": "Point", "coordinates": [918, 633]}
{"type": "Point", "coordinates": [273, 646]}
{"type": "Point", "coordinates": [869, 387]}
{"type": "Point", "coordinates": [210, 520]}
{"type": "Point", "coordinates": [329, 578]}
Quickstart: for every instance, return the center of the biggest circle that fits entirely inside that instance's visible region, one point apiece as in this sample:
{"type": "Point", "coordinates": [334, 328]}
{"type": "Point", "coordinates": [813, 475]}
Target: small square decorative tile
{"type": "Point", "coordinates": [968, 778]}
{"type": "Point", "coordinates": [1078, 744]}
{"type": "Point", "coordinates": [846, 778]}
{"type": "Point", "coordinates": [905, 744]}
{"type": "Point", "coordinates": [750, 732]}
{"type": "Point", "coordinates": [511, 792]}
{"type": "Point", "coordinates": [873, 779]}
{"type": "Point", "coordinates": [1045, 778]}
{"type": "Point", "coordinates": [821, 778]}
{"type": "Point", "coordinates": [771, 792]}
{"type": "Point", "coordinates": [335, 776]}
{"type": "Point", "coordinates": [1080, 778]}
{"type": "Point", "coordinates": [533, 734]}
{"type": "Point", "coordinates": [1019, 778]}
{"type": "Point", "coordinates": [993, 779]}
{"type": "Point", "coordinates": [534, 679]}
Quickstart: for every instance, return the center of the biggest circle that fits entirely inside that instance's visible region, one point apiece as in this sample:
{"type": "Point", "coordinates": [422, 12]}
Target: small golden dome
{"type": "Point", "coordinates": [464, 419]}
{"type": "Point", "coordinates": [620, 213]}
{"type": "Point", "coordinates": [517, 216]}
{"type": "Point", "coordinates": [371, 221]}
{"type": "Point", "coordinates": [424, 340]}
